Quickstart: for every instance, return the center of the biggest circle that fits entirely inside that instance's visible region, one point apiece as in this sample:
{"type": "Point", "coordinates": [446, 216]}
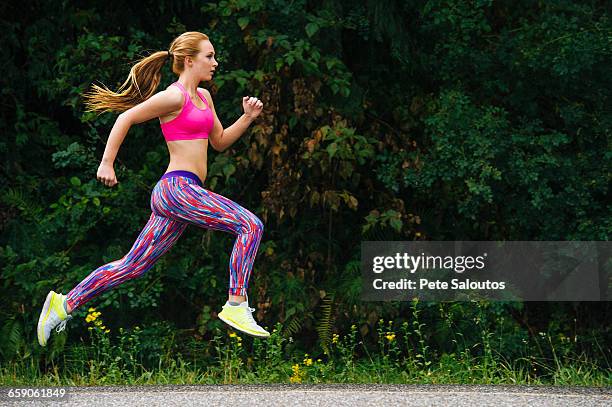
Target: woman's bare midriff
{"type": "Point", "coordinates": [188, 155]}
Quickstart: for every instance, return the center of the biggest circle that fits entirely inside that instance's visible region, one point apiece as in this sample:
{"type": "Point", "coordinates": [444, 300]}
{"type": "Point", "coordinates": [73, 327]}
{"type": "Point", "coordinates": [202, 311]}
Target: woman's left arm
{"type": "Point", "coordinates": [220, 138]}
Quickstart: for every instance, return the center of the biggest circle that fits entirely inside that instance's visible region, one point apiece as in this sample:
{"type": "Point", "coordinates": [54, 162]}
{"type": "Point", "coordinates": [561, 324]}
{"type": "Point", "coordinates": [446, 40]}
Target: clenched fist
{"type": "Point", "coordinates": [252, 106]}
{"type": "Point", "coordinates": [106, 175]}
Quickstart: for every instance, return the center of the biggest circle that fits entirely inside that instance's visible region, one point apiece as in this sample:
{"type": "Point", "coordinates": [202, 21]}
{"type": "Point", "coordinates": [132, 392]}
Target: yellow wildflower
{"type": "Point", "coordinates": [390, 336]}
{"type": "Point", "coordinates": [107, 331]}
{"type": "Point", "coordinates": [308, 362]}
{"type": "Point", "coordinates": [91, 310]}
{"type": "Point", "coordinates": [232, 334]}
{"type": "Point", "coordinates": [296, 377]}
{"type": "Point", "coordinates": [335, 338]}
{"type": "Point", "coordinates": [91, 317]}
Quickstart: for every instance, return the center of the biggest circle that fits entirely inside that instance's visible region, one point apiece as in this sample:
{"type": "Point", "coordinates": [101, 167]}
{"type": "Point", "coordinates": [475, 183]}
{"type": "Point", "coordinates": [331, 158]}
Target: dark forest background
{"type": "Point", "coordinates": [417, 120]}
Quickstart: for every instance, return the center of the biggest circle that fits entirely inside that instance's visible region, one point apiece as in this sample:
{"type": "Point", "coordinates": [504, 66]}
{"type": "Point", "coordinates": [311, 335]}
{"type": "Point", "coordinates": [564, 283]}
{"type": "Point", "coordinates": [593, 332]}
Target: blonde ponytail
{"type": "Point", "coordinates": [144, 77]}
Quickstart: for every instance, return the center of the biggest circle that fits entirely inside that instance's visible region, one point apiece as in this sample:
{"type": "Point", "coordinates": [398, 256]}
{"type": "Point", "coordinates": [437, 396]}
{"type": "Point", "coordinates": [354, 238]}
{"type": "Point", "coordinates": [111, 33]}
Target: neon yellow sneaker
{"type": "Point", "coordinates": [52, 315]}
{"type": "Point", "coordinates": [240, 317]}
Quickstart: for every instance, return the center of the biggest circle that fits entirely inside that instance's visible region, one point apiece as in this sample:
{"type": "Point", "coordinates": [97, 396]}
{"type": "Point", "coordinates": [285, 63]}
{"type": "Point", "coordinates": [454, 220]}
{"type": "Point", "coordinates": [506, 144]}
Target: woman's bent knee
{"type": "Point", "coordinates": [253, 225]}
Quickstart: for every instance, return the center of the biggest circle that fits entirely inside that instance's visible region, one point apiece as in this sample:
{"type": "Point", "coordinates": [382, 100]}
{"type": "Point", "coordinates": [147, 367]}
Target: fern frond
{"type": "Point", "coordinates": [293, 326]}
{"type": "Point", "coordinates": [16, 198]}
{"type": "Point", "coordinates": [324, 326]}
{"type": "Point", "coordinates": [12, 333]}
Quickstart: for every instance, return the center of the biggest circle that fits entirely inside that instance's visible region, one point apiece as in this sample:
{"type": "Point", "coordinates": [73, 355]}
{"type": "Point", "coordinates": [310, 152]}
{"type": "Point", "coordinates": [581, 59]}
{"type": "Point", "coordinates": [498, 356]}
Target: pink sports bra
{"type": "Point", "coordinates": [191, 123]}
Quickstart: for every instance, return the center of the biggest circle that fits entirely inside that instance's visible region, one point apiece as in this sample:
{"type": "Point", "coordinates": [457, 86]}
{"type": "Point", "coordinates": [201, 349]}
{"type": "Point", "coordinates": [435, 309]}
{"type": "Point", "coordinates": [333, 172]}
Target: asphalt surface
{"type": "Point", "coordinates": [323, 395]}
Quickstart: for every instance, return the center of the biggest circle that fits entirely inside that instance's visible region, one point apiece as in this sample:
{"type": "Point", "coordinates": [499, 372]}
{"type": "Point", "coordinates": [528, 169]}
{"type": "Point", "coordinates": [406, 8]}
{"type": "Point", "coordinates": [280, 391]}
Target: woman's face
{"type": "Point", "coordinates": [205, 63]}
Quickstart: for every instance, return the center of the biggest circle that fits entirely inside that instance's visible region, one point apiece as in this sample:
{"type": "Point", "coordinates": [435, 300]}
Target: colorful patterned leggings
{"type": "Point", "coordinates": [178, 200]}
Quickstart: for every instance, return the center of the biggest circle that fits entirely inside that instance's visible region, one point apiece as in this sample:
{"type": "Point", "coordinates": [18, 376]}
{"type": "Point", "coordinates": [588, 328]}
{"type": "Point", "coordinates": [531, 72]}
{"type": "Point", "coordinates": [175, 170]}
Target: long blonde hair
{"type": "Point", "coordinates": [144, 77]}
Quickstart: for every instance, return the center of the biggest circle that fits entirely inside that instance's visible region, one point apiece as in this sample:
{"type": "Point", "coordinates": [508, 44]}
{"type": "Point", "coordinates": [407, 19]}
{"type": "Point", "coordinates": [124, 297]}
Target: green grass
{"type": "Point", "coordinates": [184, 372]}
{"type": "Point", "coordinates": [398, 355]}
{"type": "Point", "coordinates": [234, 370]}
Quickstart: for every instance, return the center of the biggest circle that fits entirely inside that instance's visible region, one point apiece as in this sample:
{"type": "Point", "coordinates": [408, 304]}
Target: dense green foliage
{"type": "Point", "coordinates": [426, 120]}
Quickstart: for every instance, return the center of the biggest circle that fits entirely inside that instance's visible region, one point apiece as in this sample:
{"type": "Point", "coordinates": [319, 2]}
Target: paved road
{"type": "Point", "coordinates": [324, 395]}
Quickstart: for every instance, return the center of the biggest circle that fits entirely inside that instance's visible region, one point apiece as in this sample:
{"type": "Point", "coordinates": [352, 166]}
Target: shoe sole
{"type": "Point", "coordinates": [235, 326]}
{"type": "Point", "coordinates": [44, 314]}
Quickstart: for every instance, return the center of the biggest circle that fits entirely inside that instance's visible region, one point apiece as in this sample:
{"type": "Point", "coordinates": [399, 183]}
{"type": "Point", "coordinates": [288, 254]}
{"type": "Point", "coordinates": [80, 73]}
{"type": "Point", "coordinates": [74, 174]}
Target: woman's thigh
{"type": "Point", "coordinates": [193, 204]}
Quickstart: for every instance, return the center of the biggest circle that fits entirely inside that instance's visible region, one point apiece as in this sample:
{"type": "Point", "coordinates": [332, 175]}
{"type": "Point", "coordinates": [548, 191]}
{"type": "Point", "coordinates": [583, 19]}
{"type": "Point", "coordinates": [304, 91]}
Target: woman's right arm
{"type": "Point", "coordinates": [115, 139]}
{"type": "Point", "coordinates": [160, 104]}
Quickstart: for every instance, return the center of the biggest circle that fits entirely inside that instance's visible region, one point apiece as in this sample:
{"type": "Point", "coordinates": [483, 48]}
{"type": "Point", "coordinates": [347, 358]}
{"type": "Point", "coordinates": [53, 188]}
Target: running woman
{"type": "Point", "coordinates": [188, 122]}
